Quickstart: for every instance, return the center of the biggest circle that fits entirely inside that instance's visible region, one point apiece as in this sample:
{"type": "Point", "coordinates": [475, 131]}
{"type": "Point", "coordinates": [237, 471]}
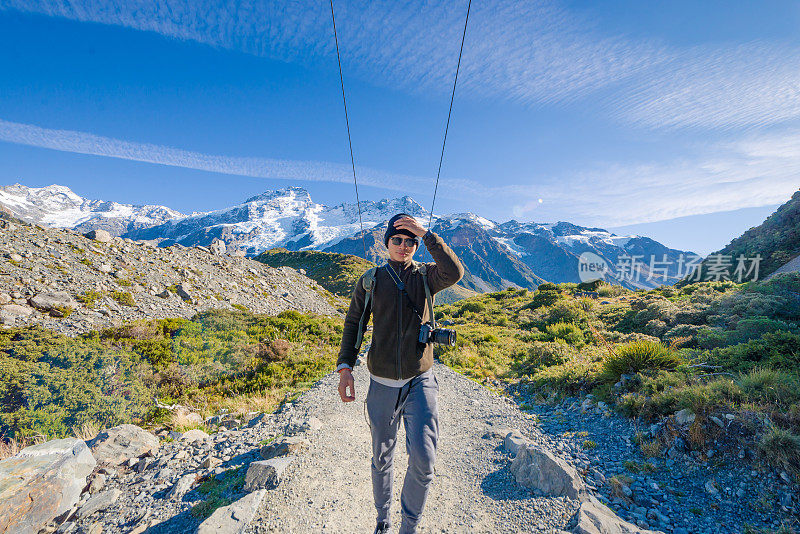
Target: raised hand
{"type": "Point", "coordinates": [410, 224]}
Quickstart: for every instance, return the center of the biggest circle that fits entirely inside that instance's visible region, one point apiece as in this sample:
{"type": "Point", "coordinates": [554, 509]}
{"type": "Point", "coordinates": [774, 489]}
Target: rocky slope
{"type": "Point", "coordinates": [70, 283]}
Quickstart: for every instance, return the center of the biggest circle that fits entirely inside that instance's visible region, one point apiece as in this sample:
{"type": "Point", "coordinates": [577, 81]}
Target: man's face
{"type": "Point", "coordinates": [403, 251]}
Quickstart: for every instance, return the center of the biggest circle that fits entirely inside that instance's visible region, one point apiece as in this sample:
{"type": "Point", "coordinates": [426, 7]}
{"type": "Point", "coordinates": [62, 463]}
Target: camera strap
{"type": "Point", "coordinates": [402, 287]}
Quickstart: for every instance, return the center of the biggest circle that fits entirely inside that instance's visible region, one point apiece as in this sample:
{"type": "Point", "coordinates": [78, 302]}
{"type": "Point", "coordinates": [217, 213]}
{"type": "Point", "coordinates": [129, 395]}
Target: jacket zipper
{"type": "Point", "coordinates": [399, 328]}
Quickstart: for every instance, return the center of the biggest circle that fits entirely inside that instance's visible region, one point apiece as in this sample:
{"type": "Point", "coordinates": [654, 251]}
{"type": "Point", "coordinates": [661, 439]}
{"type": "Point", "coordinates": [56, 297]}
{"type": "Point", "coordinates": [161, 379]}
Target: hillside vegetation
{"type": "Point", "coordinates": [338, 273]}
{"type": "Point", "coordinates": [776, 241]}
{"type": "Point", "coordinates": [51, 384]}
{"type": "Point", "coordinates": [713, 348]}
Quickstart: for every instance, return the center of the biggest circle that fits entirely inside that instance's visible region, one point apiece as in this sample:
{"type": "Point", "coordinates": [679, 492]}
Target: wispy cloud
{"type": "Point", "coordinates": [96, 145]}
{"type": "Point", "coordinates": [533, 53]}
{"type": "Point", "coordinates": [750, 85]}
{"type": "Point", "coordinates": [751, 172]}
{"type": "Point", "coordinates": [755, 171]}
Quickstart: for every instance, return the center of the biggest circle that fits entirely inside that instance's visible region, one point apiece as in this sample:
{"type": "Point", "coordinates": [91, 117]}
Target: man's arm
{"type": "Point", "coordinates": [447, 270]}
{"type": "Point", "coordinates": [347, 350]}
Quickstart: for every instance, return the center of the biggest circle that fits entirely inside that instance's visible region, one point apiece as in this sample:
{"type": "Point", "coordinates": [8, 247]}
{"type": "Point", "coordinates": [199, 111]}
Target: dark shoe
{"type": "Point", "coordinates": [382, 528]}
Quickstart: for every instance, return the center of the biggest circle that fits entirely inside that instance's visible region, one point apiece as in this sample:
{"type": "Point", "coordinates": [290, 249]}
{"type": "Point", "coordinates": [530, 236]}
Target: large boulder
{"type": "Point", "coordinates": [116, 445]}
{"type": "Point", "coordinates": [41, 483]}
{"type": "Point", "coordinates": [266, 474]}
{"type": "Point", "coordinates": [218, 246]}
{"type": "Point", "coordinates": [594, 517]}
{"type": "Point", "coordinates": [48, 300]}
{"type": "Point", "coordinates": [10, 312]}
{"type": "Point", "coordinates": [100, 235]}
{"type": "Point", "coordinates": [234, 518]}
{"type": "Point", "coordinates": [540, 469]}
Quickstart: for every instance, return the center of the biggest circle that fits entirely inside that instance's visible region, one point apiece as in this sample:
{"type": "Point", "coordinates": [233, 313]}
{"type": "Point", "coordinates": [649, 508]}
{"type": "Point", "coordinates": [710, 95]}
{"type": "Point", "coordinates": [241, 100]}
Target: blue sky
{"type": "Point", "coordinates": [678, 121]}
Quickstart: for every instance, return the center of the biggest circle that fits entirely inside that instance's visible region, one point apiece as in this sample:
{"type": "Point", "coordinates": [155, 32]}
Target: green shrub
{"type": "Point", "coordinates": [547, 286]}
{"type": "Point", "coordinates": [474, 306]}
{"type": "Point", "coordinates": [123, 297]}
{"type": "Point", "coordinates": [544, 297]}
{"type": "Point", "coordinates": [574, 375]}
{"type": "Point", "coordinates": [778, 350]}
{"type": "Point", "coordinates": [569, 332]}
{"type": "Point", "coordinates": [638, 356]}
{"type": "Point", "coordinates": [566, 312]}
{"type": "Point", "coordinates": [781, 448]}
{"type": "Point", "coordinates": [88, 298]}
{"type": "Point", "coordinates": [542, 354]}
{"type": "Point", "coordinates": [771, 386]}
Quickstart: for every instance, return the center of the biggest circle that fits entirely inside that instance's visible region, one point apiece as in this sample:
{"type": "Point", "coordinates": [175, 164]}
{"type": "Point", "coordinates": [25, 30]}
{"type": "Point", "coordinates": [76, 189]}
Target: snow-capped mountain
{"type": "Point", "coordinates": [58, 206]}
{"type": "Point", "coordinates": [495, 255]}
{"type": "Point", "coordinates": [284, 218]}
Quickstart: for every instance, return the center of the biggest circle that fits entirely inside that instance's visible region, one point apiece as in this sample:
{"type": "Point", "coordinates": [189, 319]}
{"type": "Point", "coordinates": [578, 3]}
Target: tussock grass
{"type": "Point", "coordinates": [781, 448]}
{"type": "Point", "coordinates": [636, 357]}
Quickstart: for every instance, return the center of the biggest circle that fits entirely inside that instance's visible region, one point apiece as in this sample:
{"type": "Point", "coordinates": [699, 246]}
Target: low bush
{"type": "Point", "coordinates": [781, 448]}
{"type": "Point", "coordinates": [636, 357]}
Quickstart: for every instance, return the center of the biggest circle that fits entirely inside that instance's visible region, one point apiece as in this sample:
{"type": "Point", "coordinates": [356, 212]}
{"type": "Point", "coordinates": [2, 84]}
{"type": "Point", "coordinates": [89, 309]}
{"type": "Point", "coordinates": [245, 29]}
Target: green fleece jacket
{"type": "Point", "coordinates": [395, 351]}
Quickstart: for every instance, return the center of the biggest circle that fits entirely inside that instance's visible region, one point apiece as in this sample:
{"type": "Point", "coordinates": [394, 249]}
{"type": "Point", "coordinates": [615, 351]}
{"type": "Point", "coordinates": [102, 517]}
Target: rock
{"type": "Point", "coordinates": [192, 418]}
{"type": "Point", "coordinates": [195, 434]}
{"type": "Point", "coordinates": [234, 518]}
{"type": "Point", "coordinates": [717, 421]}
{"type": "Point", "coordinates": [99, 235]}
{"type": "Point", "coordinates": [97, 483]}
{"type": "Point", "coordinates": [182, 290]}
{"type": "Point", "coordinates": [164, 294]}
{"type": "Point", "coordinates": [284, 446]}
{"type": "Point", "coordinates": [41, 483]}
{"type": "Point", "coordinates": [211, 462]}
{"type": "Point", "coordinates": [596, 518]}
{"type": "Point", "coordinates": [218, 246]}
{"type": "Point", "coordinates": [10, 312]}
{"type": "Point", "coordinates": [513, 441]}
{"type": "Point", "coordinates": [13, 256]}
{"type": "Point", "coordinates": [711, 488]}
{"type": "Point", "coordinates": [540, 469]}
{"type": "Point", "coordinates": [99, 502]}
{"type": "Point", "coordinates": [105, 268]}
{"type": "Point", "coordinates": [266, 474]}
{"type": "Point", "coordinates": [121, 443]}
{"type": "Point", "coordinates": [5, 298]}
{"type": "Point", "coordinates": [256, 420]}
{"type": "Point", "coordinates": [48, 300]}
{"type": "Point", "coordinates": [182, 487]}
{"type": "Point", "coordinates": [684, 417]}
{"type": "Point", "coordinates": [310, 424]}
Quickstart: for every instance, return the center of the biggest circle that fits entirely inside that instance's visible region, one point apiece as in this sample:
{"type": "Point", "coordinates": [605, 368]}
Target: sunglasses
{"type": "Point", "coordinates": [408, 241]}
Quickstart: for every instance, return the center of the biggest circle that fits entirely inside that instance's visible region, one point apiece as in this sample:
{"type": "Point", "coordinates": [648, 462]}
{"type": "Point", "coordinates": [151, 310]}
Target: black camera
{"type": "Point", "coordinates": [444, 336]}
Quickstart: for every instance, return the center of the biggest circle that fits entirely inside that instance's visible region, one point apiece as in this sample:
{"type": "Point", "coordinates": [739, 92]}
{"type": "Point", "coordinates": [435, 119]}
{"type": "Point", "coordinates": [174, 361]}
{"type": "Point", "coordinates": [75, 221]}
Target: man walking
{"type": "Point", "coordinates": [402, 383]}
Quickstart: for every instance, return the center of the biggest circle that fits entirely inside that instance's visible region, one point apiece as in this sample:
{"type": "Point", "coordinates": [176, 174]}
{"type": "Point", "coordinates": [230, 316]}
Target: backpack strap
{"type": "Point", "coordinates": [368, 283]}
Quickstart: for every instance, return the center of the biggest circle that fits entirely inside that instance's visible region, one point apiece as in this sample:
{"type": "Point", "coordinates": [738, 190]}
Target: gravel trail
{"type": "Point", "coordinates": [328, 488]}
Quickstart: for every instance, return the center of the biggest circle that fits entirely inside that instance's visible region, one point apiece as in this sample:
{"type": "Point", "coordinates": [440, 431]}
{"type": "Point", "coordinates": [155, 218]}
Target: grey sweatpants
{"type": "Point", "coordinates": [416, 403]}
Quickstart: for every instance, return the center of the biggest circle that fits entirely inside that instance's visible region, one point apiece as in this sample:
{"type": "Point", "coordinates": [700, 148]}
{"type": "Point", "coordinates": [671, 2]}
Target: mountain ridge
{"type": "Point", "coordinates": [496, 255]}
